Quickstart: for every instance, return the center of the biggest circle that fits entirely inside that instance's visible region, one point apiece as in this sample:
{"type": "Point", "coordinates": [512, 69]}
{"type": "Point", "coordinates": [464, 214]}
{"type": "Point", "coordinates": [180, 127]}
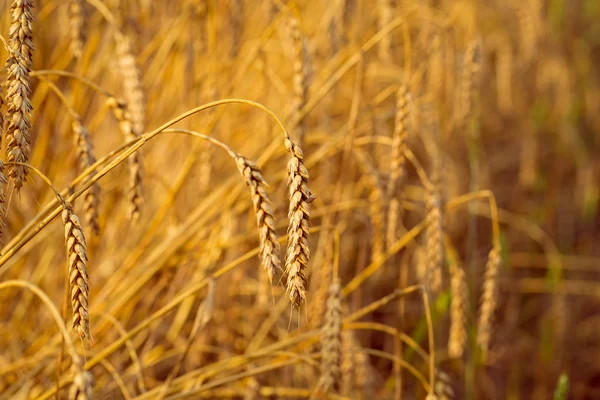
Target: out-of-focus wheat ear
{"type": "Point", "coordinates": [83, 383]}
{"type": "Point", "coordinates": [398, 161]}
{"type": "Point", "coordinates": [85, 155]}
{"type": "Point", "coordinates": [470, 75]}
{"type": "Point", "coordinates": [76, 27]}
{"type": "Point", "coordinates": [443, 387]}
{"type": "Point", "coordinates": [489, 300]}
{"type": "Point", "coordinates": [347, 366]}
{"type": "Point", "coordinates": [3, 180]}
{"type": "Point", "coordinates": [78, 277]}
{"type": "Point", "coordinates": [236, 23]}
{"type": "Point", "coordinates": [376, 193]}
{"type": "Point", "coordinates": [384, 17]}
{"type": "Point", "coordinates": [435, 238]}
{"type": "Point", "coordinates": [331, 341]}
{"type": "Point", "coordinates": [298, 252]}
{"type": "Point", "coordinates": [18, 89]}
{"type": "Point", "coordinates": [132, 83]}
{"type": "Point", "coordinates": [136, 168]}
{"type": "Point", "coordinates": [269, 246]}
{"type": "Point", "coordinates": [301, 68]}
{"type": "Point", "coordinates": [458, 307]}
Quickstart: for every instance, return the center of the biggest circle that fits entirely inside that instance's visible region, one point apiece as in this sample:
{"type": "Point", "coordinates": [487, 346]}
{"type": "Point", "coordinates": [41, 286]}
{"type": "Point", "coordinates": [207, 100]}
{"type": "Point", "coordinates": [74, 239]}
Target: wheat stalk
{"type": "Point", "coordinates": [136, 169]}
{"type": "Point", "coordinates": [86, 159]}
{"type": "Point", "coordinates": [18, 90]}
{"type": "Point", "coordinates": [76, 27]}
{"type": "Point", "coordinates": [3, 180]}
{"type": "Point", "coordinates": [384, 17]}
{"type": "Point", "coordinates": [269, 246]}
{"type": "Point", "coordinates": [489, 299]}
{"type": "Point", "coordinates": [298, 253]}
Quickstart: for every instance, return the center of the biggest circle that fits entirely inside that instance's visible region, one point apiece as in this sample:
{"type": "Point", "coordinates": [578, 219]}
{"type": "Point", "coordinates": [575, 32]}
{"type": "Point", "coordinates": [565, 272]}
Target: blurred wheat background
{"type": "Point", "coordinates": [261, 199]}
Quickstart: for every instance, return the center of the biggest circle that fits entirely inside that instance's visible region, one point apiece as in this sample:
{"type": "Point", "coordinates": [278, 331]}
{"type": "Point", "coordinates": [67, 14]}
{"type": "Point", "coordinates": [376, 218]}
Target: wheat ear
{"type": "Point", "coordinates": [18, 89]}
{"type": "Point", "coordinates": [488, 300]}
{"type": "Point", "coordinates": [458, 288]}
{"type": "Point", "coordinates": [435, 238]}
{"type": "Point", "coordinates": [132, 83]}
{"type": "Point", "coordinates": [86, 159]}
{"type": "Point", "coordinates": [269, 246]}
{"type": "Point", "coordinates": [301, 78]}
{"type": "Point", "coordinates": [398, 161]}
{"type": "Point", "coordinates": [78, 277]}
{"type": "Point", "coordinates": [76, 27]}
{"type": "Point", "coordinates": [331, 341]}
{"type": "Point", "coordinates": [298, 253]}
{"type": "Point", "coordinates": [136, 169]}
{"type": "Point", "coordinates": [81, 388]}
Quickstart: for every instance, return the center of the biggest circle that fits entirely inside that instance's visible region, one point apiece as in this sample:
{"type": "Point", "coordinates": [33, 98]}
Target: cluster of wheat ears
{"type": "Point", "coordinates": [436, 162]}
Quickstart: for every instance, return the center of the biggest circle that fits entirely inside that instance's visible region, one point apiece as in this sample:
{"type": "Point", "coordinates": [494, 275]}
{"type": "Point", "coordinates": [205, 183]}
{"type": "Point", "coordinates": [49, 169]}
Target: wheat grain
{"type": "Point", "coordinates": [269, 246]}
{"type": "Point", "coordinates": [76, 27]}
{"type": "Point", "coordinates": [86, 158]}
{"type": "Point", "coordinates": [488, 300]}
{"type": "Point", "coordinates": [78, 276]}
{"type": "Point", "coordinates": [298, 252]}
{"type": "Point", "coordinates": [18, 89]}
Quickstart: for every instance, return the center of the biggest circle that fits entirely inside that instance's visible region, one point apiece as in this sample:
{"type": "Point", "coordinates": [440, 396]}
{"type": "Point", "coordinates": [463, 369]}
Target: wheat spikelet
{"type": "Point", "coordinates": [132, 83]}
{"type": "Point", "coordinates": [298, 253]}
{"type": "Point", "coordinates": [458, 288]}
{"type": "Point", "coordinates": [136, 169]}
{"type": "Point", "coordinates": [301, 79]}
{"type": "Point", "coordinates": [78, 276]}
{"type": "Point", "coordinates": [398, 161]}
{"type": "Point", "coordinates": [269, 246]}
{"type": "Point", "coordinates": [76, 27]}
{"type": "Point", "coordinates": [331, 345]}
{"type": "Point", "coordinates": [18, 89]}
{"type": "Point", "coordinates": [435, 238]}
{"type": "Point", "coordinates": [83, 382]}
{"type": "Point", "coordinates": [86, 158]}
{"type": "Point", "coordinates": [488, 299]}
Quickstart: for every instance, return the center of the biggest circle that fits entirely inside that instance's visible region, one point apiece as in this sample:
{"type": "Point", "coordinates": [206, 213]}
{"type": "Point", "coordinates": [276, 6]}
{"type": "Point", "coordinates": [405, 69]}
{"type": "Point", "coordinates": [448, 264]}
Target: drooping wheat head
{"type": "Point", "coordinates": [269, 246]}
{"type": "Point", "coordinates": [18, 89]}
{"type": "Point", "coordinates": [298, 252]}
{"type": "Point", "coordinates": [78, 277]}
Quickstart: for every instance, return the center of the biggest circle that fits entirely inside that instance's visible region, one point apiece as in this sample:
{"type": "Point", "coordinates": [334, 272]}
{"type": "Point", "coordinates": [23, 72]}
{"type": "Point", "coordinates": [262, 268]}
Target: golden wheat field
{"type": "Point", "coordinates": [305, 199]}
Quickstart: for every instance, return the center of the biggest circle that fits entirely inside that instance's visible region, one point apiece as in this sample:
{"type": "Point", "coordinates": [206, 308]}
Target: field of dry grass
{"type": "Point", "coordinates": [305, 199]}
